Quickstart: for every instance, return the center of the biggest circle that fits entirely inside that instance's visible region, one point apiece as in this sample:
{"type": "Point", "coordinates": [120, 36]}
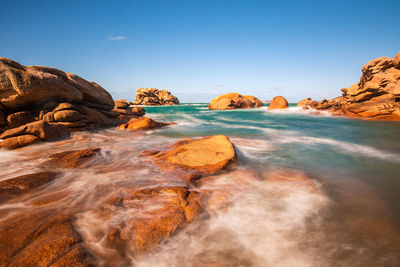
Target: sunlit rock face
{"type": "Point", "coordinates": [155, 97]}
{"type": "Point", "coordinates": [234, 101]}
{"type": "Point", "coordinates": [278, 102]}
{"type": "Point", "coordinates": [375, 96]}
{"type": "Point", "coordinates": [42, 100]}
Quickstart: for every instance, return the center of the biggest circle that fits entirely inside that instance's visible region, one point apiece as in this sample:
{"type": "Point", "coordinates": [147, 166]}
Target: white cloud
{"type": "Point", "coordinates": [117, 38]}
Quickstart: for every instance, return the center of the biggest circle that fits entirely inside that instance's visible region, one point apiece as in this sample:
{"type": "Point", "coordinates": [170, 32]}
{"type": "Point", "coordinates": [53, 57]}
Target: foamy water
{"type": "Point", "coordinates": [308, 190]}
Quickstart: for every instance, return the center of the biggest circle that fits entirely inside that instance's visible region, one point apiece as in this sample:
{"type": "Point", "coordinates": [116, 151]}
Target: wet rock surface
{"type": "Point", "coordinates": [234, 101]}
{"type": "Point", "coordinates": [143, 123]}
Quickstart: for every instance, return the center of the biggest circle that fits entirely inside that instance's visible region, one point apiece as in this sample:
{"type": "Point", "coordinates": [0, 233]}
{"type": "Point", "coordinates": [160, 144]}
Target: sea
{"type": "Point", "coordinates": [350, 216]}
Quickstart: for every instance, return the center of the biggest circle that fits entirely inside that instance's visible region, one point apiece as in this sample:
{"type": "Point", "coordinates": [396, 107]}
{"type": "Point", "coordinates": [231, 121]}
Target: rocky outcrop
{"type": "Point", "coordinates": [143, 123]}
{"type": "Point", "coordinates": [278, 102]}
{"type": "Point", "coordinates": [155, 97]}
{"type": "Point", "coordinates": [233, 101]}
{"type": "Point", "coordinates": [193, 158]}
{"type": "Point", "coordinates": [375, 96]}
{"type": "Point", "coordinates": [50, 99]}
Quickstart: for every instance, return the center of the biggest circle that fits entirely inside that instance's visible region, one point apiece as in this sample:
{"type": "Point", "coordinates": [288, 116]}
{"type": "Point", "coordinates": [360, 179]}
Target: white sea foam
{"type": "Point", "coordinates": [265, 226]}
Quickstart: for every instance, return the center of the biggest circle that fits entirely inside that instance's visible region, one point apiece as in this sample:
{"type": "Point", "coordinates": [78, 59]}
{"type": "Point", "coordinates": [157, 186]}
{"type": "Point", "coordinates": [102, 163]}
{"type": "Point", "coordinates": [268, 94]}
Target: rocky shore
{"type": "Point", "coordinates": [375, 96]}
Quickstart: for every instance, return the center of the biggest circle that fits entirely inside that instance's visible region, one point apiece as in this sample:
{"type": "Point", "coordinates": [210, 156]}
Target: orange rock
{"type": "Point", "coordinates": [19, 141]}
{"type": "Point", "coordinates": [41, 238]}
{"type": "Point", "coordinates": [233, 101]}
{"type": "Point", "coordinates": [196, 157]}
{"type": "Point", "coordinates": [376, 96]}
{"type": "Point", "coordinates": [44, 130]}
{"type": "Point", "coordinates": [155, 97]}
{"type": "Point", "coordinates": [143, 123]}
{"type": "Point", "coordinates": [278, 102]}
{"type": "Point", "coordinates": [24, 183]}
{"type": "Point", "coordinates": [172, 208]}
{"type": "Point", "coordinates": [74, 159]}
{"type": "Point", "coordinates": [308, 102]}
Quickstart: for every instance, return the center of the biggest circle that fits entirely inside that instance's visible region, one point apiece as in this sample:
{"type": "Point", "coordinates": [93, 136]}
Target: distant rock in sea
{"type": "Point", "coordinates": [155, 97]}
{"type": "Point", "coordinates": [278, 102]}
{"type": "Point", "coordinates": [375, 96]}
{"type": "Point", "coordinates": [234, 101]}
{"type": "Point", "coordinates": [39, 103]}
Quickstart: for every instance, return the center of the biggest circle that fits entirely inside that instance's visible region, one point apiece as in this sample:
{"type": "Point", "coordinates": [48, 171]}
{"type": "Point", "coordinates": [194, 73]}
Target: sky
{"type": "Point", "coordinates": [201, 49]}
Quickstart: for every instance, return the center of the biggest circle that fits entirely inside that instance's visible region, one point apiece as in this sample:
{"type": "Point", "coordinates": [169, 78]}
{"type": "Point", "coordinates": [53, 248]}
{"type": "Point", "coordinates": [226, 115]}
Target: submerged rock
{"type": "Point", "coordinates": [375, 96]}
{"type": "Point", "coordinates": [155, 97]}
{"type": "Point", "coordinates": [173, 208]}
{"type": "Point", "coordinates": [233, 101]}
{"type": "Point", "coordinates": [24, 183]}
{"type": "Point", "coordinates": [75, 158]}
{"type": "Point", "coordinates": [278, 102]}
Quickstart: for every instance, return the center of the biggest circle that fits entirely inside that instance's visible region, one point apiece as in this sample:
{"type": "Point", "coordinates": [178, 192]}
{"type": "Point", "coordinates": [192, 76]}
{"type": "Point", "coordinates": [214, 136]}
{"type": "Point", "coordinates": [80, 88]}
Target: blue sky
{"type": "Point", "coordinates": [199, 49]}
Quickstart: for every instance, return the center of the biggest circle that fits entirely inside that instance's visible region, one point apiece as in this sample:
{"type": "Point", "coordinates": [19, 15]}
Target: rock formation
{"type": "Point", "coordinates": [143, 123]}
{"type": "Point", "coordinates": [375, 96]}
{"type": "Point", "coordinates": [44, 104]}
{"type": "Point", "coordinates": [155, 97]}
{"type": "Point", "coordinates": [233, 101]}
{"type": "Point", "coordinates": [193, 158]}
{"type": "Point", "coordinates": [278, 102]}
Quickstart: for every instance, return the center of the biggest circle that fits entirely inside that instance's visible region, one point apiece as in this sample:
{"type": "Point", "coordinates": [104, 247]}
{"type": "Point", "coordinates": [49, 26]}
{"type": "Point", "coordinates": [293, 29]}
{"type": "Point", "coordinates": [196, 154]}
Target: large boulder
{"type": "Point", "coordinates": [155, 97]}
{"type": "Point", "coordinates": [35, 93]}
{"type": "Point", "coordinates": [194, 158]}
{"type": "Point", "coordinates": [143, 123]}
{"type": "Point", "coordinates": [375, 96]}
{"type": "Point", "coordinates": [234, 101]}
{"type": "Point", "coordinates": [278, 102]}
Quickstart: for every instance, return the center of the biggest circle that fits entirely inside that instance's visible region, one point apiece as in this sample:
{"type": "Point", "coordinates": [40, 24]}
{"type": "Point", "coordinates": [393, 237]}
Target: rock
{"type": "Point", "coordinates": [233, 101]}
{"type": "Point", "coordinates": [278, 102]}
{"type": "Point", "coordinates": [33, 93]}
{"type": "Point", "coordinates": [121, 104]}
{"type": "Point", "coordinates": [257, 103]}
{"type": "Point", "coordinates": [195, 156]}
{"type": "Point", "coordinates": [40, 237]}
{"type": "Point", "coordinates": [24, 183]}
{"type": "Point", "coordinates": [44, 130]}
{"type": "Point", "coordinates": [131, 111]}
{"type": "Point", "coordinates": [19, 118]}
{"type": "Point", "coordinates": [396, 60]}
{"type": "Point", "coordinates": [143, 123]}
{"type": "Point", "coordinates": [19, 141]}
{"type": "Point", "coordinates": [94, 95]}
{"type": "Point", "coordinates": [74, 159]}
{"type": "Point", "coordinates": [375, 96]}
{"type": "Point", "coordinates": [308, 102]}
{"type": "Point", "coordinates": [153, 96]}
{"type": "Point", "coordinates": [172, 208]}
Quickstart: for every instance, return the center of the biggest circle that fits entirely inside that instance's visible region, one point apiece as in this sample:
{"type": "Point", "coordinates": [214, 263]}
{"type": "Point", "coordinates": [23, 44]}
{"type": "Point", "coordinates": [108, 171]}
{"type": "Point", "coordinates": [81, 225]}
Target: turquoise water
{"type": "Point", "coordinates": [357, 163]}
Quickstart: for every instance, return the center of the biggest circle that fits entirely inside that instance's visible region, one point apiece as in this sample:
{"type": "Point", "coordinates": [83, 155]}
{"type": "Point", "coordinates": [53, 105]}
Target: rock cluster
{"type": "Point", "coordinates": [39, 103]}
{"type": "Point", "coordinates": [234, 101]}
{"type": "Point", "coordinates": [278, 102]}
{"type": "Point", "coordinates": [375, 96]}
{"type": "Point", "coordinates": [155, 97]}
